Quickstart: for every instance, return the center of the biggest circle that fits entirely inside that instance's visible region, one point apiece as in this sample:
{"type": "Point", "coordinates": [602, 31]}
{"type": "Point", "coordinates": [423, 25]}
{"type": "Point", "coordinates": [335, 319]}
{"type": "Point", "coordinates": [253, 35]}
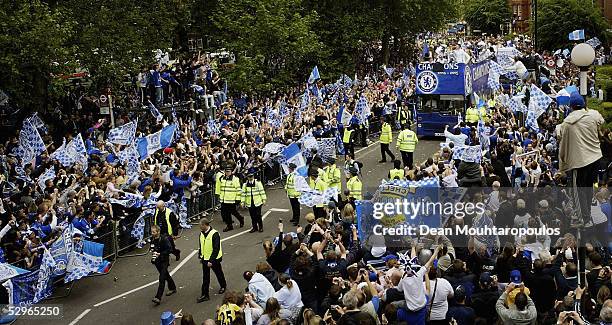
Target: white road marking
{"type": "Point", "coordinates": [178, 267]}
{"type": "Point", "coordinates": [193, 252]}
{"type": "Point", "coordinates": [362, 149]}
{"type": "Point", "coordinates": [80, 316]}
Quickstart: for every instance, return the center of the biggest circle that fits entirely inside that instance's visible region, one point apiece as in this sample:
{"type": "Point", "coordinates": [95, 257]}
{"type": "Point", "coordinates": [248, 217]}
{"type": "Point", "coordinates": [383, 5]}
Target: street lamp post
{"type": "Point", "coordinates": [583, 56]}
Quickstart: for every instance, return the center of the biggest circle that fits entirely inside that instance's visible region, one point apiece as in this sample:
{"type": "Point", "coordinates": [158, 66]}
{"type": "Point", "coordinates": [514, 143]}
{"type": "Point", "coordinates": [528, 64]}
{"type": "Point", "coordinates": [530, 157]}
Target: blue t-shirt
{"type": "Point", "coordinates": [462, 314]}
{"type": "Point", "coordinates": [156, 79]}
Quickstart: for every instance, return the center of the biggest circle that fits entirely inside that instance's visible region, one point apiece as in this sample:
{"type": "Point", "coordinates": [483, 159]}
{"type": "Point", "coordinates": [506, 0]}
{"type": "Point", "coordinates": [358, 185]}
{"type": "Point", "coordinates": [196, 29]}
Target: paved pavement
{"type": "Point", "coordinates": [124, 296]}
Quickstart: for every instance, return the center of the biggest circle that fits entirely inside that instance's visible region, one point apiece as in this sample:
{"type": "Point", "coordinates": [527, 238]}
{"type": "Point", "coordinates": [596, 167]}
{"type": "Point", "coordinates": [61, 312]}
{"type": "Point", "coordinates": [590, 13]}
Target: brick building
{"type": "Point", "coordinates": [521, 13]}
{"type": "Point", "coordinates": [606, 6]}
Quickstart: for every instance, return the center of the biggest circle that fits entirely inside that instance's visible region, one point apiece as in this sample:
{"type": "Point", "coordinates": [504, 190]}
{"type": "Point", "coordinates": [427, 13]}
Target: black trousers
{"type": "Point", "coordinates": [164, 276]}
{"type": "Point", "coordinates": [255, 213]}
{"type": "Point", "coordinates": [407, 158]}
{"type": "Point", "coordinates": [229, 209]}
{"type": "Point", "coordinates": [349, 148]}
{"type": "Point", "coordinates": [581, 181]}
{"type": "Point", "coordinates": [384, 150]}
{"type": "Point", "coordinates": [364, 136]}
{"type": "Point", "coordinates": [216, 267]}
{"type": "Point", "coordinates": [319, 212]}
{"type": "Point", "coordinates": [295, 208]}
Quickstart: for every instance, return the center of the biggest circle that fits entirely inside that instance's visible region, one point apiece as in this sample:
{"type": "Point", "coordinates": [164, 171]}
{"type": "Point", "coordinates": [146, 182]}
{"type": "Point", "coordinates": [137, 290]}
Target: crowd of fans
{"type": "Point", "coordinates": [322, 272]}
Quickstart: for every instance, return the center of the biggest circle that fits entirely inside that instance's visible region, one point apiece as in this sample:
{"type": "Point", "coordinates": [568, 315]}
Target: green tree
{"type": "Point", "coordinates": [32, 48]}
{"type": "Point", "coordinates": [273, 42]}
{"type": "Point", "coordinates": [558, 18]}
{"type": "Point", "coordinates": [487, 15]}
{"type": "Point", "coordinates": [117, 37]}
{"type": "Point", "coordinates": [385, 30]}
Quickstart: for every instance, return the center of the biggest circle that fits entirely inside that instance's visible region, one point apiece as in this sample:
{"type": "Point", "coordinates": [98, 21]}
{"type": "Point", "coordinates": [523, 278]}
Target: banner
{"type": "Point", "coordinates": [8, 271]}
{"type": "Point", "coordinates": [451, 79]}
{"type": "Point", "coordinates": [412, 197]}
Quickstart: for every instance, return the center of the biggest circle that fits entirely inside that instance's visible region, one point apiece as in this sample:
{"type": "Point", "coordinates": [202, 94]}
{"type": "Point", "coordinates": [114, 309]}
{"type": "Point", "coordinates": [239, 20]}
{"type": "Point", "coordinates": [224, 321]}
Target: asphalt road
{"type": "Point", "coordinates": [124, 295]}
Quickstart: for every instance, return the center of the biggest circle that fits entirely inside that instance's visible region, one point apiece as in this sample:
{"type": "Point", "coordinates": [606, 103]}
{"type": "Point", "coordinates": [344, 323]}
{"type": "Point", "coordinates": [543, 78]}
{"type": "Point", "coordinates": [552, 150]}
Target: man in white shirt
{"type": "Point", "coordinates": [460, 55]}
{"type": "Point", "coordinates": [457, 138]}
{"type": "Point", "coordinates": [413, 287]}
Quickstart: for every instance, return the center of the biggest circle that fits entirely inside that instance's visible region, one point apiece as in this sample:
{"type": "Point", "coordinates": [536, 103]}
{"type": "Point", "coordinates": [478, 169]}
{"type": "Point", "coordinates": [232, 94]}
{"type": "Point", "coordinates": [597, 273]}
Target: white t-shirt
{"type": "Point", "coordinates": [289, 298]}
{"type": "Point", "coordinates": [444, 290]}
{"type": "Point", "coordinates": [413, 288]}
{"type": "Point", "coordinates": [522, 221]}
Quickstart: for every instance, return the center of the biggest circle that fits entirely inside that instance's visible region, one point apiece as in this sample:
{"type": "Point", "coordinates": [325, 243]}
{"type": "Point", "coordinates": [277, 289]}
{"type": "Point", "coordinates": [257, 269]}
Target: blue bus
{"type": "Point", "coordinates": [443, 93]}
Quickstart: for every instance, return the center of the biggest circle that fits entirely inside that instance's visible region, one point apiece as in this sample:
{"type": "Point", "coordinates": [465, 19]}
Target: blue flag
{"type": "Point", "coordinates": [161, 139]}
{"type": "Point", "coordinates": [576, 35]}
{"type": "Point", "coordinates": [155, 112]}
{"type": "Point", "coordinates": [314, 75]}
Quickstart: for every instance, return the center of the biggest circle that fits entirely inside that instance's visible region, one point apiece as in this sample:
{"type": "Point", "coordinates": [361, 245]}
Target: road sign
{"type": "Point", "coordinates": [104, 101]}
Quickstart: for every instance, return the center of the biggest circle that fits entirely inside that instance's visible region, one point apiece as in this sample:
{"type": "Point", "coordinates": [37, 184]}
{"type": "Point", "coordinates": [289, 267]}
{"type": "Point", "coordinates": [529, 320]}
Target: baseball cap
{"type": "Point", "coordinates": [373, 276]}
{"type": "Point", "coordinates": [460, 293]}
{"type": "Point", "coordinates": [576, 100]}
{"type": "Point", "coordinates": [390, 257]}
{"type": "Point", "coordinates": [485, 278]}
{"type": "Point", "coordinates": [515, 276]}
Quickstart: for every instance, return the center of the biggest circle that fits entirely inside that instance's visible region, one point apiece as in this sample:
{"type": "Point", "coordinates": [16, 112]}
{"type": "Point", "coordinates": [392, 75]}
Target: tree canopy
{"type": "Point", "coordinates": [558, 18]}
{"type": "Point", "coordinates": [276, 43]}
{"type": "Point", "coordinates": [487, 15]}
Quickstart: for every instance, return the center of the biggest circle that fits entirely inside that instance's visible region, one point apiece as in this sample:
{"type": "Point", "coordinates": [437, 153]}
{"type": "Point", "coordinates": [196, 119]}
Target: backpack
{"type": "Point", "coordinates": [359, 164]}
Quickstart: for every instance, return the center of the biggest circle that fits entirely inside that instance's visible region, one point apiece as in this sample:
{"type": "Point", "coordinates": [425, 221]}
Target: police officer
{"type": "Point", "coordinates": [402, 118]}
{"type": "Point", "coordinates": [253, 197]}
{"type": "Point", "coordinates": [354, 186]}
{"type": "Point", "coordinates": [483, 114]}
{"type": "Point", "coordinates": [228, 189]}
{"type": "Point", "coordinates": [317, 184]}
{"type": "Point", "coordinates": [168, 223]}
{"type": "Point", "coordinates": [161, 248]}
{"type": "Point", "coordinates": [386, 136]}
{"type": "Point", "coordinates": [471, 116]}
{"type": "Point", "coordinates": [406, 142]}
{"type": "Point", "coordinates": [293, 194]}
{"type": "Point", "coordinates": [364, 130]}
{"type": "Point", "coordinates": [348, 139]}
{"type": "Point", "coordinates": [397, 172]}
{"type": "Point", "coordinates": [210, 253]}
{"type": "Point", "coordinates": [331, 175]}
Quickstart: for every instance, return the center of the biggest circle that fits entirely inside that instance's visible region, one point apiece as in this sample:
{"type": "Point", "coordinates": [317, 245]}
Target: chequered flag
{"type": "Point", "coordinates": [594, 42]}
{"type": "Point", "coordinates": [496, 68]}
{"type": "Point", "coordinates": [213, 127]}
{"type": "Point", "coordinates": [311, 197]}
{"type": "Point", "coordinates": [516, 104]}
{"type": "Point", "coordinates": [538, 100]}
{"type": "Point", "coordinates": [532, 121]}
{"type": "Point", "coordinates": [427, 182]}
{"type": "Point", "coordinates": [81, 265]}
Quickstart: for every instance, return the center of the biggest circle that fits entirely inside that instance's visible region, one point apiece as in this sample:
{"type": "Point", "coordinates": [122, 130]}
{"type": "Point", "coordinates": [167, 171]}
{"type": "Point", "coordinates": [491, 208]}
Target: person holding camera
{"type": "Point", "coordinates": [161, 249]}
{"type": "Point", "coordinates": [525, 311]}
